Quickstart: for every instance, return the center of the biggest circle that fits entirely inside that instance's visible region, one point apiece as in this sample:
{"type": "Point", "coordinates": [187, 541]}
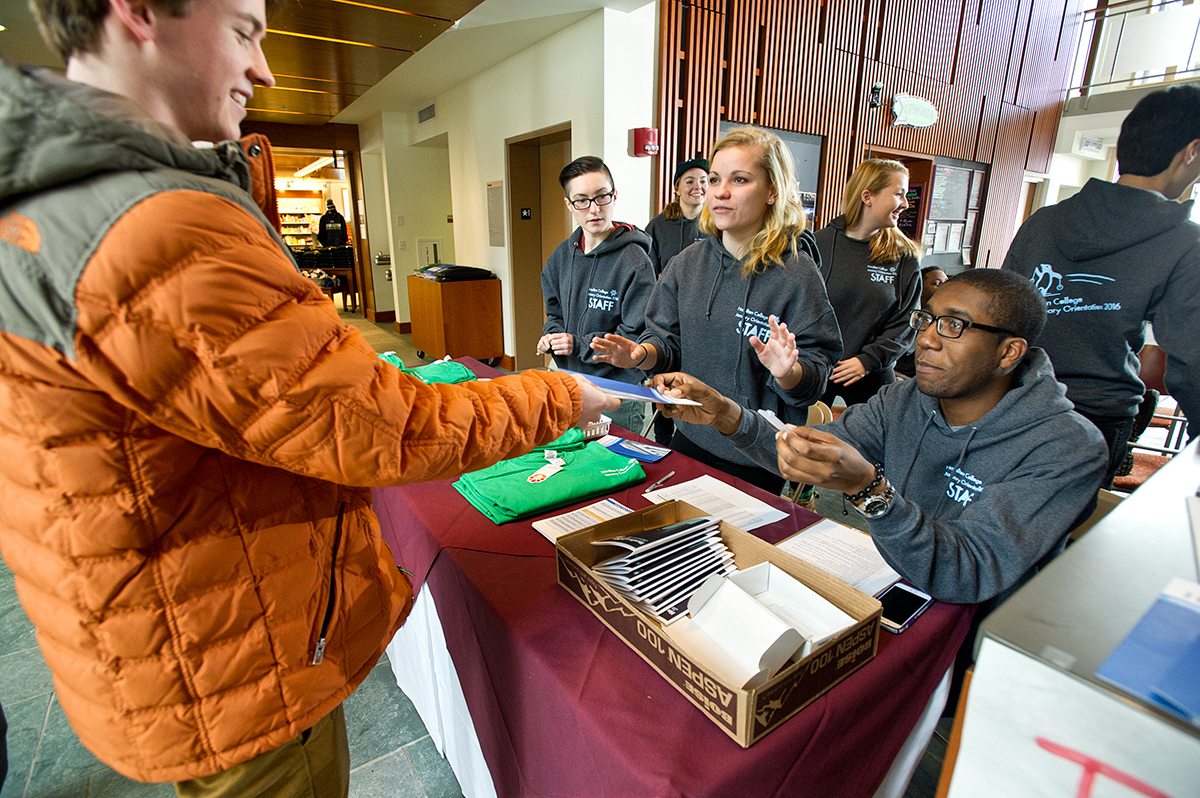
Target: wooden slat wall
{"type": "Point", "coordinates": [997, 74]}
{"type": "Point", "coordinates": [670, 57]}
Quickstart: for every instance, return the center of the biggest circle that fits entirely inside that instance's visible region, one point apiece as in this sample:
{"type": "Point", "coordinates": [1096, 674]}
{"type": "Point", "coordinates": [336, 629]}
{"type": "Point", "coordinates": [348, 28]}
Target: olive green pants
{"type": "Point", "coordinates": [315, 764]}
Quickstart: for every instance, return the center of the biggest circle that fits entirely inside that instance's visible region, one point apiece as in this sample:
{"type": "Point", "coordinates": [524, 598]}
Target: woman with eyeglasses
{"type": "Point", "coordinates": [744, 310]}
{"type": "Point", "coordinates": [675, 229]}
{"type": "Point", "coordinates": [872, 273]}
{"type": "Point", "coordinates": [597, 281]}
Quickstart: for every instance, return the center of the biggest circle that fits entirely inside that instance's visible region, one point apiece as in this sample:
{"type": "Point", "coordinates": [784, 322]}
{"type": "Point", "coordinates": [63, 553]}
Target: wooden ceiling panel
{"type": "Point", "coordinates": [316, 78]}
{"type": "Point", "coordinates": [307, 102]}
{"type": "Point", "coordinates": [440, 9]}
{"type": "Point", "coordinates": [356, 23]}
{"type": "Point", "coordinates": [287, 117]}
{"type": "Point", "coordinates": [338, 63]}
{"type": "Point", "coordinates": [303, 83]}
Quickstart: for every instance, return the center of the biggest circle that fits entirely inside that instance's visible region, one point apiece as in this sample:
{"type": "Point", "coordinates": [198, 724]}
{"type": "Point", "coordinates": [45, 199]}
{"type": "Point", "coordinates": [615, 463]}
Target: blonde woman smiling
{"type": "Point", "coordinates": [872, 274]}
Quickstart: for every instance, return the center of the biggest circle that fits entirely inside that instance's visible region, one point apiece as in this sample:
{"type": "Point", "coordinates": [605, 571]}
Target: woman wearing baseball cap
{"type": "Point", "coordinates": [673, 230]}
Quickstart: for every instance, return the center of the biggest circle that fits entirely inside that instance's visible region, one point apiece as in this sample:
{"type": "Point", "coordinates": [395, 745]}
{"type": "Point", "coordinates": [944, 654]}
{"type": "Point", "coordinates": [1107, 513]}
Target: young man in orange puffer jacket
{"type": "Point", "coordinates": [190, 431]}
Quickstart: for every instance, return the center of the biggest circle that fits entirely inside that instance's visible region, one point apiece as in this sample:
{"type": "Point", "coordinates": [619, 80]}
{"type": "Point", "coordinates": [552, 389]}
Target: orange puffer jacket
{"type": "Point", "coordinates": [189, 436]}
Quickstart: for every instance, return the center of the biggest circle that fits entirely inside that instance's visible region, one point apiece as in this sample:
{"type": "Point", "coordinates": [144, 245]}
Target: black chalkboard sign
{"type": "Point", "coordinates": [948, 199]}
{"type": "Point", "coordinates": [907, 223]}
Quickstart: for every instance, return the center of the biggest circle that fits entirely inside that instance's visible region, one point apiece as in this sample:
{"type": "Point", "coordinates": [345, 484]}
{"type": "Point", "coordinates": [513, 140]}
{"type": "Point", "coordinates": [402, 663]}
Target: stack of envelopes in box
{"type": "Point", "coordinates": [661, 568]}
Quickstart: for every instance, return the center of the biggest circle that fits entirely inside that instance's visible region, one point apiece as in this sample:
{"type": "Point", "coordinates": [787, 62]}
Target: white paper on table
{"type": "Point", "coordinates": [843, 552]}
{"type": "Point", "coordinates": [1037, 732]}
{"type": "Point", "coordinates": [714, 497]}
{"type": "Point", "coordinates": [556, 526]}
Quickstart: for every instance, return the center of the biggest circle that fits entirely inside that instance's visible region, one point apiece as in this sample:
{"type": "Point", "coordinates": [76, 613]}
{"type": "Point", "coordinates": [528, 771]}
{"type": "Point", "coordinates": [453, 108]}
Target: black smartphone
{"type": "Point", "coordinates": [902, 604]}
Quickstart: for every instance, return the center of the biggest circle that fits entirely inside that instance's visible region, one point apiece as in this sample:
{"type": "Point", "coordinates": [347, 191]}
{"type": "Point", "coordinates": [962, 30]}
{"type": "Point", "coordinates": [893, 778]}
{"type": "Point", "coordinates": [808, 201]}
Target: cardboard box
{"type": "Point", "coordinates": [745, 715]}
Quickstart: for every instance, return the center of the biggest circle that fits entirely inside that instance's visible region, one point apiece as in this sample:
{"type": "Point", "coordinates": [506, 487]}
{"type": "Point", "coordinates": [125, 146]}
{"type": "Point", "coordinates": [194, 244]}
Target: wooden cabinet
{"type": "Point", "coordinates": [455, 318]}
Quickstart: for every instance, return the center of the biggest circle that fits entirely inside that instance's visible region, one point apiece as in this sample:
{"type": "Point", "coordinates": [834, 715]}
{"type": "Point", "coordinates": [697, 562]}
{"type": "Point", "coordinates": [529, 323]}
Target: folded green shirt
{"type": "Point", "coordinates": [504, 492]}
{"type": "Point", "coordinates": [444, 371]}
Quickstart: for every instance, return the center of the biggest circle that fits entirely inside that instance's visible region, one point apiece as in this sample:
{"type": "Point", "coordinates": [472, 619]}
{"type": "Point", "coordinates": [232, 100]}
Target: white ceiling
{"type": "Point", "coordinates": [493, 31]}
{"type": "Point", "coordinates": [1100, 115]}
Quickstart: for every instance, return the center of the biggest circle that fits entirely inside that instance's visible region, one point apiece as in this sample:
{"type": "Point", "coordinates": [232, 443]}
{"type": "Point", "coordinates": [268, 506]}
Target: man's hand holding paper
{"type": "Point", "coordinates": [814, 457]}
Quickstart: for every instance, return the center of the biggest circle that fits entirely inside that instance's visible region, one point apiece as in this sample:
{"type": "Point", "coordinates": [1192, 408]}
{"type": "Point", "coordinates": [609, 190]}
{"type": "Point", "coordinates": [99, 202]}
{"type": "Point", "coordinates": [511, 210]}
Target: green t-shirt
{"type": "Point", "coordinates": [513, 489]}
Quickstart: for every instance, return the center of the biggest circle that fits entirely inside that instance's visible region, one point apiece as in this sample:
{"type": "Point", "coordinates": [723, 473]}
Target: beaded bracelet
{"type": "Point", "coordinates": [862, 494]}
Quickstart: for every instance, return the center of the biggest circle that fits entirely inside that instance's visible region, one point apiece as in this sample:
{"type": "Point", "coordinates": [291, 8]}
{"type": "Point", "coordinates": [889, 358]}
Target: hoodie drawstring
{"type": "Point", "coordinates": [712, 294]}
{"type": "Point", "coordinates": [737, 372]}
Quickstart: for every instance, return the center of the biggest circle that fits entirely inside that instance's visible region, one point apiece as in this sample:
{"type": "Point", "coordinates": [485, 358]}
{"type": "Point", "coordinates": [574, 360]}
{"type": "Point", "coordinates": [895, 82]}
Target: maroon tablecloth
{"type": "Point", "coordinates": [562, 707]}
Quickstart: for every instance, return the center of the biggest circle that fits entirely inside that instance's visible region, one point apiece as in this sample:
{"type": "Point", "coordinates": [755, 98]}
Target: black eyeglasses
{"type": "Point", "coordinates": [600, 200]}
{"type": "Point", "coordinates": [950, 326]}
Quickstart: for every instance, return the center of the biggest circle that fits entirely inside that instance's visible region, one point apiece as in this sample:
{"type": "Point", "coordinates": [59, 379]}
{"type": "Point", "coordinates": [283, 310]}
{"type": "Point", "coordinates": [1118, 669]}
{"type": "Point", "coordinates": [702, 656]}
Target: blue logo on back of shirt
{"type": "Point", "coordinates": [1050, 284]}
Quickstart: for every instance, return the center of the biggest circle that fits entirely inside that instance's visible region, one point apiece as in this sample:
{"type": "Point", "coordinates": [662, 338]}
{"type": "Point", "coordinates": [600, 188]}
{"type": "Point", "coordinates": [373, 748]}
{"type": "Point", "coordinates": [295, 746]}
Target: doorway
{"type": "Point", "coordinates": [321, 163]}
{"type": "Point", "coordinates": [538, 222]}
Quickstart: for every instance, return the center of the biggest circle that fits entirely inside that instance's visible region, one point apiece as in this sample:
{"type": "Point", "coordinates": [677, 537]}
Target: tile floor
{"type": "Point", "coordinates": [391, 752]}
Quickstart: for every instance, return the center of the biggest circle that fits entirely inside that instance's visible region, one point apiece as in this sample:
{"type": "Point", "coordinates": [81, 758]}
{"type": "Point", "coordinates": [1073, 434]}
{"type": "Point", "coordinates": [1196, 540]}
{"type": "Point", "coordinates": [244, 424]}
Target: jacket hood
{"type": "Point", "coordinates": [1087, 230]}
{"type": "Point", "coordinates": [839, 223]}
{"type": "Point", "coordinates": [623, 235]}
{"type": "Point", "coordinates": [54, 132]}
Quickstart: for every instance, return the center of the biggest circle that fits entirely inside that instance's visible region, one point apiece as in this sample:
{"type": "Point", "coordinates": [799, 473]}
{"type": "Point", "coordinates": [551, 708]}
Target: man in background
{"type": "Point", "coordinates": [190, 431]}
{"type": "Point", "coordinates": [332, 232]}
{"type": "Point", "coordinates": [1118, 255]}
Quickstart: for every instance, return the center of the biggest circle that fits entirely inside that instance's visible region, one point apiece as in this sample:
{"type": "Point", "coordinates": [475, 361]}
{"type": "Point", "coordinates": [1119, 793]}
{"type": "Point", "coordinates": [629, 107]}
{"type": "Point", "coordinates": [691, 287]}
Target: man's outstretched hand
{"type": "Point", "coordinates": [595, 402]}
{"type": "Point", "coordinates": [715, 410]}
{"type": "Point", "coordinates": [814, 457]}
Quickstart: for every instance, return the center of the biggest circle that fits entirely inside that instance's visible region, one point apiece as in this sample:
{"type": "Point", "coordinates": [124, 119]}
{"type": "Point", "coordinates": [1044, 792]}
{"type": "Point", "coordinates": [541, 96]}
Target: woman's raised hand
{"type": "Point", "coordinates": [618, 350]}
{"type": "Point", "coordinates": [779, 353]}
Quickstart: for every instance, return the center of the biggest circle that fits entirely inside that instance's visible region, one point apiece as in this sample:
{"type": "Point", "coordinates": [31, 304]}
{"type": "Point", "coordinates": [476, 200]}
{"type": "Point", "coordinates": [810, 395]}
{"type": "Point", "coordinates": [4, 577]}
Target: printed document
{"type": "Point", "coordinates": [556, 526]}
{"type": "Point", "coordinates": [843, 552]}
{"type": "Point", "coordinates": [714, 497]}
{"type": "Point", "coordinates": [628, 390]}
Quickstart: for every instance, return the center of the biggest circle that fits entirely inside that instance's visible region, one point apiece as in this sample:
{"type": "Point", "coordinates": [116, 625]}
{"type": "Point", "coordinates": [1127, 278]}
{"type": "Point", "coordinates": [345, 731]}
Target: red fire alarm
{"type": "Point", "coordinates": [645, 141]}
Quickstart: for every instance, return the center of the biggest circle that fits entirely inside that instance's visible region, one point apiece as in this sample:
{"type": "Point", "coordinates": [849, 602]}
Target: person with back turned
{"type": "Point", "coordinates": [332, 229]}
{"type": "Point", "coordinates": [1118, 255]}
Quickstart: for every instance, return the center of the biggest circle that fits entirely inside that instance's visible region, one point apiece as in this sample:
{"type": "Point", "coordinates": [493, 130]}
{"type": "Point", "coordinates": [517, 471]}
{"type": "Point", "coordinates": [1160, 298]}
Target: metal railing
{"type": "Point", "coordinates": [1136, 43]}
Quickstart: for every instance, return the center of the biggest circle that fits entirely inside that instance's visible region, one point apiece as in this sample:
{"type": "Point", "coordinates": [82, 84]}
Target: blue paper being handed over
{"type": "Point", "coordinates": [626, 390]}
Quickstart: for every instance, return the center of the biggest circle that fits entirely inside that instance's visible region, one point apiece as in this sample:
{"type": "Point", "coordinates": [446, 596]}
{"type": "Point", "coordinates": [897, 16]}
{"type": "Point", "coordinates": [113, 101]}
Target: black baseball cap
{"type": "Point", "coordinates": [695, 163]}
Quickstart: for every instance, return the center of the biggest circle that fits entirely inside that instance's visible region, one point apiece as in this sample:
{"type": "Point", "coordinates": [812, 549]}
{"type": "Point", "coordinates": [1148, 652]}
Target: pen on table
{"type": "Point", "coordinates": [659, 483]}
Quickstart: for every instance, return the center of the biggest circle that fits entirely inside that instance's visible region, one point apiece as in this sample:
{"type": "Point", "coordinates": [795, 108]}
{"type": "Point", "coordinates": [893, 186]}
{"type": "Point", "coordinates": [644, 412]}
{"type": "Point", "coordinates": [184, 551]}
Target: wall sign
{"type": "Point", "coordinates": [948, 199]}
{"type": "Point", "coordinates": [908, 110]}
{"type": "Point", "coordinates": [495, 207]}
{"type": "Point", "coordinates": [910, 216]}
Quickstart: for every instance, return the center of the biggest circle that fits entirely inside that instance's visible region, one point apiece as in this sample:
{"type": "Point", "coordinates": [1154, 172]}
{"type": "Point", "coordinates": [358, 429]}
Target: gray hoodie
{"type": "Point", "coordinates": [978, 508]}
{"type": "Point", "coordinates": [604, 291]}
{"type": "Point", "coordinates": [670, 237]}
{"type": "Point", "coordinates": [1107, 260]}
{"type": "Point", "coordinates": [702, 313]}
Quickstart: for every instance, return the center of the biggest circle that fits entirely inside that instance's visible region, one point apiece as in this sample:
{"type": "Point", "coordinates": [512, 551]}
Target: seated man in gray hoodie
{"type": "Point", "coordinates": [971, 475]}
